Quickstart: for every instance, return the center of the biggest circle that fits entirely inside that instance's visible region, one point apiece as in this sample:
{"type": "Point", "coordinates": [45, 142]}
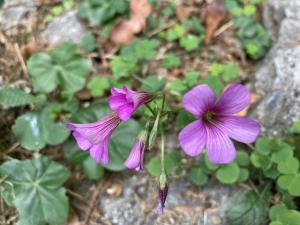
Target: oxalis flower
{"type": "Point", "coordinates": [95, 136]}
{"type": "Point", "coordinates": [136, 157]}
{"type": "Point", "coordinates": [216, 122]}
{"type": "Point", "coordinates": [125, 101]}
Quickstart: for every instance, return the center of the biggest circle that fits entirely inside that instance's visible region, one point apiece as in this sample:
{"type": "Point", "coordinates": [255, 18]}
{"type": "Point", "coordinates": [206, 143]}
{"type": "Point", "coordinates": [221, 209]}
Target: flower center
{"type": "Point", "coordinates": [209, 116]}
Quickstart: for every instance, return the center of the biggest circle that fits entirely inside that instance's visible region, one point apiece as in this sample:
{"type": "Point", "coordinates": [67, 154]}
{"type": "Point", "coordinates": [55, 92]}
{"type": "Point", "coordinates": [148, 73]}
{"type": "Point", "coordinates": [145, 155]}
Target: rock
{"type": "Point", "coordinates": [16, 12]}
{"type": "Point", "coordinates": [63, 28]}
{"type": "Point", "coordinates": [278, 77]}
{"type": "Point", "coordinates": [186, 204]}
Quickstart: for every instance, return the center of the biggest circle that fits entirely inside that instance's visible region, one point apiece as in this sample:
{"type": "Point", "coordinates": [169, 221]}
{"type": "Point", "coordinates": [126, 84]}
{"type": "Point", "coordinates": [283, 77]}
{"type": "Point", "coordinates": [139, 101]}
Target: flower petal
{"type": "Point", "coordinates": [135, 158]}
{"type": "Point", "coordinates": [118, 91]}
{"type": "Point", "coordinates": [220, 149]}
{"type": "Point", "coordinates": [125, 112]}
{"type": "Point", "coordinates": [241, 129]}
{"type": "Point", "coordinates": [82, 143]}
{"type": "Point", "coordinates": [233, 100]}
{"type": "Point", "coordinates": [117, 101]}
{"type": "Point", "coordinates": [99, 152]}
{"type": "Point", "coordinates": [199, 100]}
{"type": "Point", "coordinates": [192, 138]}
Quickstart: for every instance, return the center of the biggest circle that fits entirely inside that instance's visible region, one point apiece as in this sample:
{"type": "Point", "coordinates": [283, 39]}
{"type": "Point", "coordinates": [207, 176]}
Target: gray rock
{"type": "Point", "coordinates": [15, 12]}
{"type": "Point", "coordinates": [185, 203]}
{"type": "Point", "coordinates": [278, 78]}
{"type": "Point", "coordinates": [63, 28]}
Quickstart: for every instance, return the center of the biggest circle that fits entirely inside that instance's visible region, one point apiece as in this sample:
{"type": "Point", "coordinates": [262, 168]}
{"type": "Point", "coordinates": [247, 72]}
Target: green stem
{"type": "Point", "coordinates": [162, 150]}
{"type": "Point", "coordinates": [150, 109]}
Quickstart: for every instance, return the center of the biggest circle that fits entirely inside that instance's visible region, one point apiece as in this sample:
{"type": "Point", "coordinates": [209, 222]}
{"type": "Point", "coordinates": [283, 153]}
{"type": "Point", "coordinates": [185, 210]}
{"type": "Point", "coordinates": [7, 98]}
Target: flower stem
{"type": "Point", "coordinates": [150, 109]}
{"type": "Point", "coordinates": [162, 151]}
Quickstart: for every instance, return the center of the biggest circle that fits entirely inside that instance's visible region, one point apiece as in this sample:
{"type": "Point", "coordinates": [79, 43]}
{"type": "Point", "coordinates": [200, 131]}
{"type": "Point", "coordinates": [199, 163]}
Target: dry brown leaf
{"type": "Point", "coordinates": [124, 31]}
{"type": "Point", "coordinates": [140, 8]}
{"type": "Point", "coordinates": [213, 15]}
{"type": "Point", "coordinates": [30, 48]}
{"type": "Point", "coordinates": [183, 12]}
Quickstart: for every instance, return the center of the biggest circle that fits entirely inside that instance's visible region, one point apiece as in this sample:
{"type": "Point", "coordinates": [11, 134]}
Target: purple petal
{"type": "Point", "coordinates": [98, 131]}
{"type": "Point", "coordinates": [137, 98]}
{"type": "Point", "coordinates": [241, 129]}
{"type": "Point", "coordinates": [199, 100]}
{"type": "Point", "coordinates": [233, 100]}
{"type": "Point", "coordinates": [125, 112]}
{"type": "Point", "coordinates": [192, 138]}
{"type": "Point", "coordinates": [135, 158]}
{"type": "Point", "coordinates": [220, 149]}
{"type": "Point", "coordinates": [99, 152]}
{"type": "Point", "coordinates": [117, 101]}
{"type": "Point", "coordinates": [117, 91]}
{"type": "Point", "coordinates": [82, 143]}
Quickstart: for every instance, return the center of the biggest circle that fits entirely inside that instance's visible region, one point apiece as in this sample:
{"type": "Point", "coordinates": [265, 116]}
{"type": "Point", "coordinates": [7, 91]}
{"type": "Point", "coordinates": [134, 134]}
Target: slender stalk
{"type": "Point", "coordinates": [162, 151]}
{"type": "Point", "coordinates": [150, 109]}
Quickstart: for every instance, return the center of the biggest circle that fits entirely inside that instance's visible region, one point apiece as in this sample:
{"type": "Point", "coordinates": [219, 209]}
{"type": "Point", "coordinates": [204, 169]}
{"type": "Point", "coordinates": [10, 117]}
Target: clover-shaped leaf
{"type": "Point", "coordinates": [34, 187]}
{"type": "Point", "coordinates": [34, 130]}
{"type": "Point", "coordinates": [64, 67]}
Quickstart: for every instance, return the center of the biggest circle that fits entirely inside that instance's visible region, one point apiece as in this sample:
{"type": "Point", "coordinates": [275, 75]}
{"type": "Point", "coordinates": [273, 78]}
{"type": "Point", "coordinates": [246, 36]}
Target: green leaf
{"type": "Point", "coordinates": [230, 72]}
{"type": "Point", "coordinates": [290, 166]}
{"type": "Point", "coordinates": [190, 42]}
{"type": "Point", "coordinates": [243, 175]}
{"type": "Point", "coordinates": [88, 42]}
{"type": "Point", "coordinates": [209, 165]}
{"type": "Point", "coordinates": [34, 130]}
{"type": "Point", "coordinates": [153, 84]}
{"type": "Point", "coordinates": [296, 127]}
{"type": "Point", "coordinates": [178, 86]}
{"type": "Point", "coordinates": [93, 170]}
{"type": "Point", "coordinates": [37, 189]}
{"type": "Point", "coordinates": [191, 78]}
{"type": "Point", "coordinates": [243, 158]}
{"type": "Point", "coordinates": [261, 161]}
{"type": "Point", "coordinates": [289, 217]}
{"type": "Point", "coordinates": [285, 153]}
{"type": "Point", "coordinates": [215, 83]}
{"type": "Point", "coordinates": [64, 67]}
{"type": "Point", "coordinates": [57, 10]}
{"type": "Point", "coordinates": [68, 4]}
{"type": "Point", "coordinates": [98, 85]}
{"type": "Point", "coordinates": [171, 61]}
{"type": "Point", "coordinates": [276, 210]}
{"type": "Point", "coordinates": [123, 67]}
{"type": "Point", "coordinates": [272, 173]}
{"type": "Point", "coordinates": [249, 10]}
{"type": "Point", "coordinates": [284, 181]}
{"type": "Point", "coordinates": [10, 97]}
{"type": "Point", "coordinates": [294, 189]}
{"type": "Point", "coordinates": [183, 118]}
{"type": "Point", "coordinates": [172, 162]}
{"type": "Point", "coordinates": [198, 177]}
{"type": "Point", "coordinates": [248, 209]}
{"type": "Point", "coordinates": [229, 173]}
{"type": "Point", "coordinates": [264, 145]}
{"type": "Point", "coordinates": [276, 223]}
{"type": "Point", "coordinates": [101, 11]}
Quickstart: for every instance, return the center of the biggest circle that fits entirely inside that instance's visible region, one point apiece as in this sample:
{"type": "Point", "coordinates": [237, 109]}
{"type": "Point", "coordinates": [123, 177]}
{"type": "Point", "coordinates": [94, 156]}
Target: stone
{"type": "Point", "coordinates": [186, 203]}
{"type": "Point", "coordinates": [64, 28]}
{"type": "Point", "coordinates": [277, 79]}
{"type": "Point", "coordinates": [16, 12]}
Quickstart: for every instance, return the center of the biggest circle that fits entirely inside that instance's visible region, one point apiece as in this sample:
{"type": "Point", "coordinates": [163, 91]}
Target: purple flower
{"type": "Point", "coordinates": [95, 136]}
{"type": "Point", "coordinates": [125, 101]}
{"type": "Point", "coordinates": [135, 159]}
{"type": "Point", "coordinates": [216, 122]}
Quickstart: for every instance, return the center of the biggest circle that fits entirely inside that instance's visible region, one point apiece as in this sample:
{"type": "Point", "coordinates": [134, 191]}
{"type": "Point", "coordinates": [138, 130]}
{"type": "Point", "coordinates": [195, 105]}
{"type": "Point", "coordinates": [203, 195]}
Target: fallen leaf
{"type": "Point", "coordinates": [213, 15]}
{"type": "Point", "coordinates": [30, 48]}
{"type": "Point", "coordinates": [116, 190]}
{"type": "Point", "coordinates": [140, 8]}
{"type": "Point", "coordinates": [183, 12]}
{"type": "Point", "coordinates": [124, 31]}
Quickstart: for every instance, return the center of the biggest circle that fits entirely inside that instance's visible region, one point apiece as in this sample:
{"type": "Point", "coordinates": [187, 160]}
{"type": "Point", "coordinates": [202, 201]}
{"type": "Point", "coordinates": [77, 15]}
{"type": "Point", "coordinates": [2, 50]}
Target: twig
{"type": "Point", "coordinates": [223, 28]}
{"type": "Point", "coordinates": [160, 29]}
{"type": "Point", "coordinates": [12, 148]}
{"type": "Point", "coordinates": [21, 59]}
{"type": "Point", "coordinates": [76, 195]}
